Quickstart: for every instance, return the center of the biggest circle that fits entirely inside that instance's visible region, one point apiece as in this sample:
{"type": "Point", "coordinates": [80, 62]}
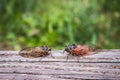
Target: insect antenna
{"type": "Point", "coordinates": [67, 58]}
{"type": "Point", "coordinates": [64, 52]}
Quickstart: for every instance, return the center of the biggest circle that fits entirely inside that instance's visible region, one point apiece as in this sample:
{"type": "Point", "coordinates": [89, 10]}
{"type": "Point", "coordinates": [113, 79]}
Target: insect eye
{"type": "Point", "coordinates": [73, 46]}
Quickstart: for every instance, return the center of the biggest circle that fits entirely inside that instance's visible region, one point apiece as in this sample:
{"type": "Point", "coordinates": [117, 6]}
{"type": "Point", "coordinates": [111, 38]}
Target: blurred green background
{"type": "Point", "coordinates": [56, 23]}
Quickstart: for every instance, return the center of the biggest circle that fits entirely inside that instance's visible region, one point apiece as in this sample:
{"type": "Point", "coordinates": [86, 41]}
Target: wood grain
{"type": "Point", "coordinates": [103, 65]}
{"type": "Point", "coordinates": [110, 56]}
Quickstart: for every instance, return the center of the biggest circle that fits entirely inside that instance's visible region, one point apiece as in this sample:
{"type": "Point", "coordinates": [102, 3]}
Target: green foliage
{"type": "Point", "coordinates": [59, 22]}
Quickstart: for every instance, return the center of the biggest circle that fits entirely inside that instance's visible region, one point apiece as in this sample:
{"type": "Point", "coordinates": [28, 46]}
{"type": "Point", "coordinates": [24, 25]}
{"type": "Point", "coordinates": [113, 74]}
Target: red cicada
{"type": "Point", "coordinates": [78, 50]}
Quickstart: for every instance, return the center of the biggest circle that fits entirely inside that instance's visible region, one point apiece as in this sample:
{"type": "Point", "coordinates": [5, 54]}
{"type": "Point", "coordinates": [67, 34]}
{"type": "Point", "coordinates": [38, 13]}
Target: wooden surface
{"type": "Point", "coordinates": [105, 65]}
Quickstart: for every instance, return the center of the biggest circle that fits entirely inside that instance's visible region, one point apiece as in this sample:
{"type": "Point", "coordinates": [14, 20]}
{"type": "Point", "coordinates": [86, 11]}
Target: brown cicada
{"type": "Point", "coordinates": [35, 52]}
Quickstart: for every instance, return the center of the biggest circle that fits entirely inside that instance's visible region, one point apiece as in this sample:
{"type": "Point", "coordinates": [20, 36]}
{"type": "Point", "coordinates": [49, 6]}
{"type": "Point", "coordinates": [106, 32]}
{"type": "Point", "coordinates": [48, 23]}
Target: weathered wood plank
{"type": "Point", "coordinates": [57, 77]}
{"type": "Point", "coordinates": [61, 68]}
{"type": "Point", "coordinates": [59, 65]}
{"type": "Point", "coordinates": [103, 65]}
{"type": "Point", "coordinates": [113, 56]}
{"type": "Point", "coordinates": [58, 71]}
{"type": "Point", "coordinates": [28, 77]}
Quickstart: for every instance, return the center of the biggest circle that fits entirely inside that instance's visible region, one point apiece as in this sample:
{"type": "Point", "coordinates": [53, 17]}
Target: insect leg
{"type": "Point", "coordinates": [63, 52]}
{"type": "Point", "coordinates": [41, 57]}
{"type": "Point", "coordinates": [78, 58]}
{"type": "Point", "coordinates": [67, 57]}
{"type": "Point", "coordinates": [50, 53]}
{"type": "Point", "coordinates": [52, 56]}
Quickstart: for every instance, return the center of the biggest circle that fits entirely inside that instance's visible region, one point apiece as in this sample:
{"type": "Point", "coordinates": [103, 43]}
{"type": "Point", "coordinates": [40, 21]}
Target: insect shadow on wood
{"type": "Point", "coordinates": [79, 51]}
{"type": "Point", "coordinates": [36, 52]}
